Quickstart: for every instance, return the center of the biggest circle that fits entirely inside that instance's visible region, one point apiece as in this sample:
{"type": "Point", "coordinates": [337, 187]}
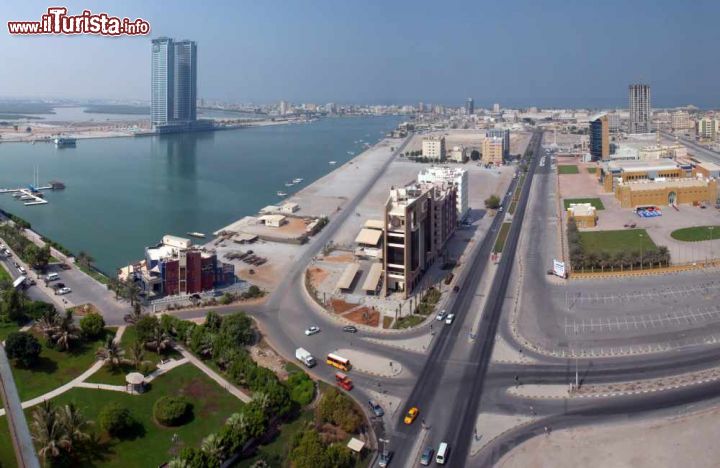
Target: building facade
{"type": "Point", "coordinates": [708, 129]}
{"type": "Point", "coordinates": [433, 147]}
{"type": "Point", "coordinates": [504, 135]}
{"type": "Point", "coordinates": [600, 138]}
{"type": "Point", "coordinates": [680, 120]}
{"type": "Point", "coordinates": [613, 122]}
{"type": "Point", "coordinates": [492, 151]}
{"type": "Point", "coordinates": [450, 175]}
{"type": "Point", "coordinates": [419, 219]}
{"type": "Point", "coordinates": [470, 106]}
{"type": "Point", "coordinates": [640, 109]}
{"type": "Point", "coordinates": [173, 83]}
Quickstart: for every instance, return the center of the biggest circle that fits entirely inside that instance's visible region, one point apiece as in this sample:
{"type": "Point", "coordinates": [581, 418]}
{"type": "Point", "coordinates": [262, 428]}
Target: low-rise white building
{"type": "Point", "coordinates": [433, 147]}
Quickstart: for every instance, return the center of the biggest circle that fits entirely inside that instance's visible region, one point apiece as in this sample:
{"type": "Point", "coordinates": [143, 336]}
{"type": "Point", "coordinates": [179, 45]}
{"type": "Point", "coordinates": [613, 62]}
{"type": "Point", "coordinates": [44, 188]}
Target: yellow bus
{"type": "Point", "coordinates": [339, 362]}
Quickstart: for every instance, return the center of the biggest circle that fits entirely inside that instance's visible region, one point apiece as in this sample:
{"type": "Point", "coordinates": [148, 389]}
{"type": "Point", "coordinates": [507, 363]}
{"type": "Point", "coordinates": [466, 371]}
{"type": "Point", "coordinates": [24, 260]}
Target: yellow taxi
{"type": "Point", "coordinates": [411, 415]}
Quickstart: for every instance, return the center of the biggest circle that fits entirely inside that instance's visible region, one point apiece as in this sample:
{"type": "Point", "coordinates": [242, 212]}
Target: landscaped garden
{"type": "Point", "coordinates": [696, 234]}
{"type": "Point", "coordinates": [568, 169]}
{"type": "Point", "coordinates": [502, 236]}
{"type": "Point", "coordinates": [621, 249]}
{"type": "Point", "coordinates": [596, 202]}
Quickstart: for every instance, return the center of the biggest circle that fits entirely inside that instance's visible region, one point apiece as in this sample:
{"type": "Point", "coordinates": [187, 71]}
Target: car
{"type": "Point", "coordinates": [63, 291]}
{"type": "Point", "coordinates": [449, 319]}
{"type": "Point", "coordinates": [441, 315]}
{"type": "Point", "coordinates": [500, 209]}
{"type": "Point", "coordinates": [427, 456]}
{"type": "Point", "coordinates": [456, 288]}
{"type": "Point", "coordinates": [312, 330]}
{"type": "Point", "coordinates": [21, 270]}
{"type": "Point", "coordinates": [350, 329]}
{"type": "Point", "coordinates": [65, 266]}
{"type": "Point", "coordinates": [384, 459]}
{"type": "Point", "coordinates": [376, 409]}
{"type": "Point", "coordinates": [411, 415]}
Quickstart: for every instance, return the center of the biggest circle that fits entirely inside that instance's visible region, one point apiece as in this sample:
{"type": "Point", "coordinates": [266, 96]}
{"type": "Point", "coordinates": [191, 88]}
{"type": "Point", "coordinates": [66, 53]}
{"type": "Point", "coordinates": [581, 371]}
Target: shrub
{"type": "Point", "coordinates": [23, 347]}
{"type": "Point", "coordinates": [92, 325]}
{"type": "Point", "coordinates": [339, 409]}
{"type": "Point", "coordinates": [171, 410]}
{"type": "Point", "coordinates": [116, 420]}
{"type": "Point", "coordinates": [493, 202]}
{"type": "Point", "coordinates": [302, 388]}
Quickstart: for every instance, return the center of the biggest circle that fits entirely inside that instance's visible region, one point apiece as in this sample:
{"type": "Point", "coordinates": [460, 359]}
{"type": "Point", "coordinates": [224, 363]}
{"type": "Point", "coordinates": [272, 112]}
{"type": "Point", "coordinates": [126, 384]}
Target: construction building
{"type": "Point", "coordinates": [433, 147]}
{"type": "Point", "coordinates": [492, 151]}
{"type": "Point", "coordinates": [680, 120]}
{"type": "Point", "coordinates": [450, 175]}
{"type": "Point", "coordinates": [419, 220]}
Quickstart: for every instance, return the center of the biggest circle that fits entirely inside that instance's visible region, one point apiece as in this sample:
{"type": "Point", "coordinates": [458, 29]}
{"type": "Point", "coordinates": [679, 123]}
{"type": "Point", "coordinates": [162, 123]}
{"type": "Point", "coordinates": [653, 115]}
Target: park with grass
{"type": "Point", "coordinates": [183, 412]}
{"type": "Point", "coordinates": [568, 169]}
{"type": "Point", "coordinates": [614, 250]}
{"type": "Point", "coordinates": [696, 233]}
{"type": "Point", "coordinates": [595, 202]}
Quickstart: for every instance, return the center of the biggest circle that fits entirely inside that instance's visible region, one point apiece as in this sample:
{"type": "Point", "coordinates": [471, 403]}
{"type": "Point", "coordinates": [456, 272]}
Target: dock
{"type": "Point", "coordinates": [29, 195]}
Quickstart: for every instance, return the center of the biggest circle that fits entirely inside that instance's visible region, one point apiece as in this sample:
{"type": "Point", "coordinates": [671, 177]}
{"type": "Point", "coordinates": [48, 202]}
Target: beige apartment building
{"type": "Point", "coordinates": [492, 151]}
{"type": "Point", "coordinates": [433, 147]}
{"type": "Point", "coordinates": [680, 120]}
{"type": "Point", "coordinates": [419, 219]}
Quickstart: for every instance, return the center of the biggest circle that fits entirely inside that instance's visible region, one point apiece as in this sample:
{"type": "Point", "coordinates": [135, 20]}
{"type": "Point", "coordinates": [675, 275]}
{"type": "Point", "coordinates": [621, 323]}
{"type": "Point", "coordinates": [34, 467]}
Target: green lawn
{"type": "Point", "coordinates": [7, 328]}
{"type": "Point", "coordinates": [592, 170]}
{"type": "Point", "coordinates": [697, 233]}
{"type": "Point", "coordinates": [502, 235]}
{"type": "Point", "coordinates": [626, 240]}
{"type": "Point", "coordinates": [55, 368]}
{"type": "Point", "coordinates": [7, 454]}
{"type": "Point", "coordinates": [568, 169]}
{"type": "Point", "coordinates": [596, 202]}
{"type": "Point", "coordinates": [4, 275]}
{"type": "Point", "coordinates": [212, 405]}
{"type": "Point", "coordinates": [409, 321]}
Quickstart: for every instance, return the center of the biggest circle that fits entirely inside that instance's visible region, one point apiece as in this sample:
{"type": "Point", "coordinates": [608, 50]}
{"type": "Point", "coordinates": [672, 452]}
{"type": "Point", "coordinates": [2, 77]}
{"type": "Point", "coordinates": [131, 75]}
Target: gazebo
{"type": "Point", "coordinates": [135, 382]}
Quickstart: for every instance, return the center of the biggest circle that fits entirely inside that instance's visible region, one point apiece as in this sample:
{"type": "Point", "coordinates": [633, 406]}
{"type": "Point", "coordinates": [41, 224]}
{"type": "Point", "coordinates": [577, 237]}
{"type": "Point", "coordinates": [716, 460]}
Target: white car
{"type": "Point", "coordinates": [312, 330]}
{"type": "Point", "coordinates": [63, 291]}
{"type": "Point", "coordinates": [449, 319]}
{"type": "Point", "coordinates": [441, 315]}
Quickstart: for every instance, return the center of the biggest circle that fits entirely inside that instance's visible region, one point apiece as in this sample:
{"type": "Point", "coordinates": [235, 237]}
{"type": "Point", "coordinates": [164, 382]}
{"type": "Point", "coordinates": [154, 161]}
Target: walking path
{"type": "Point", "coordinates": [244, 397]}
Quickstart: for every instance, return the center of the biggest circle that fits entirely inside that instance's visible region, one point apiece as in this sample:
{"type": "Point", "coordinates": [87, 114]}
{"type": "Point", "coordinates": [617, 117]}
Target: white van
{"type": "Point", "coordinates": [52, 277]}
{"type": "Point", "coordinates": [442, 453]}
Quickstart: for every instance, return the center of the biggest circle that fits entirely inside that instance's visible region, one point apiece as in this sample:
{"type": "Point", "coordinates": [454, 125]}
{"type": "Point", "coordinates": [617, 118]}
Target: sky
{"type": "Point", "coordinates": [518, 53]}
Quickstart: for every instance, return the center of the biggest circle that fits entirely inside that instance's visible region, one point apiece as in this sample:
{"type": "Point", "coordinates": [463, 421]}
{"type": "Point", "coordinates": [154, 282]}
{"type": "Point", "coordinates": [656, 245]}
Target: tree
{"type": "Point", "coordinates": [114, 285]}
{"type": "Point", "coordinates": [492, 203]}
{"type": "Point", "coordinates": [116, 420]}
{"type": "Point", "coordinates": [137, 355]}
{"type": "Point", "coordinates": [92, 325]}
{"type": "Point", "coordinates": [171, 410]}
{"type": "Point", "coordinates": [339, 409]}
{"type": "Point", "coordinates": [111, 353]}
{"type": "Point", "coordinates": [236, 330]}
{"type": "Point", "coordinates": [65, 333]}
{"type": "Point", "coordinates": [145, 327]}
{"type": "Point", "coordinates": [12, 305]}
{"type": "Point", "coordinates": [308, 451]}
{"type": "Point", "coordinates": [75, 424]}
{"type": "Point", "coordinates": [132, 290]}
{"type": "Point", "coordinates": [48, 432]}
{"type": "Point", "coordinates": [23, 347]}
{"type": "Point", "coordinates": [135, 315]}
{"type": "Point", "coordinates": [85, 259]}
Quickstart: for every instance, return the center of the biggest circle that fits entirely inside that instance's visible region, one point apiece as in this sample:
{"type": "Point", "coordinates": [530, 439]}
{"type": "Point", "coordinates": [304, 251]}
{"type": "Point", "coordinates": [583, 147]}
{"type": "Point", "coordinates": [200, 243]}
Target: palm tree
{"type": "Point", "coordinates": [65, 331]}
{"type": "Point", "coordinates": [111, 353]}
{"type": "Point", "coordinates": [137, 354]}
{"type": "Point", "coordinates": [213, 446]}
{"type": "Point", "coordinates": [135, 315]}
{"type": "Point", "coordinates": [48, 432]}
{"type": "Point", "coordinates": [114, 285]}
{"type": "Point", "coordinates": [159, 341]}
{"type": "Point", "coordinates": [74, 423]}
{"type": "Point", "coordinates": [84, 259]}
{"type": "Point", "coordinates": [132, 290]}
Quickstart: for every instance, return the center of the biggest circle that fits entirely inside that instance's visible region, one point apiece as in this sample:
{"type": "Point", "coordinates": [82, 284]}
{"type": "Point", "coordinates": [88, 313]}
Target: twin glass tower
{"type": "Point", "coordinates": [174, 83]}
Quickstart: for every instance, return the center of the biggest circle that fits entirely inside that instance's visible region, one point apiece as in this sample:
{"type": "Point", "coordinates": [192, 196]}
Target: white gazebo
{"type": "Point", "coordinates": [135, 382]}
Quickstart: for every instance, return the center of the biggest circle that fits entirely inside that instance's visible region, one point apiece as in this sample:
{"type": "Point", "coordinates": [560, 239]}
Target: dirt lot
{"type": "Point", "coordinates": [372, 318]}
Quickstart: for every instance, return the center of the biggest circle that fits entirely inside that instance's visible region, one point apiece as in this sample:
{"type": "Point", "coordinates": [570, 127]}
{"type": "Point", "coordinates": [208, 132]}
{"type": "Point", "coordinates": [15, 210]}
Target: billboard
{"type": "Point", "coordinates": [559, 268]}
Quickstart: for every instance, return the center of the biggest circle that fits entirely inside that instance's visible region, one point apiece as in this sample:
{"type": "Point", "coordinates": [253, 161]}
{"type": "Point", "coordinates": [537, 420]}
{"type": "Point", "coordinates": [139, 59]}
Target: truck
{"type": "Point", "coordinates": [305, 357]}
{"type": "Point", "coordinates": [344, 381]}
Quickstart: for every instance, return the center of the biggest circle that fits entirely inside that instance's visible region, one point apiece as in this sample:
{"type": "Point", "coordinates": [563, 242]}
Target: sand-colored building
{"type": "Point", "coordinates": [666, 192]}
{"type": "Point", "coordinates": [492, 151]}
{"type": "Point", "coordinates": [584, 214]}
{"type": "Point", "coordinates": [433, 147]}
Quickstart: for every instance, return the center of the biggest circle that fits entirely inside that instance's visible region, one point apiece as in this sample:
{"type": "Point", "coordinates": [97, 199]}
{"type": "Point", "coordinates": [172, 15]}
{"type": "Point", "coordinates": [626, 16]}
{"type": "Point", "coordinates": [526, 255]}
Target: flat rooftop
{"type": "Point", "coordinates": [646, 185]}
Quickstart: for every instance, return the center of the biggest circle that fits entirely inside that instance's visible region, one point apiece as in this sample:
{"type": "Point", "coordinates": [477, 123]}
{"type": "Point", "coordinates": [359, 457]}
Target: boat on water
{"type": "Point", "coordinates": [289, 184]}
{"type": "Point", "coordinates": [199, 235]}
{"type": "Point", "coordinates": [281, 194]}
{"type": "Point", "coordinates": [17, 195]}
{"type": "Point", "coordinates": [332, 163]}
{"type": "Point", "coordinates": [297, 180]}
{"type": "Point", "coordinates": [65, 142]}
{"type": "Point", "coordinates": [350, 153]}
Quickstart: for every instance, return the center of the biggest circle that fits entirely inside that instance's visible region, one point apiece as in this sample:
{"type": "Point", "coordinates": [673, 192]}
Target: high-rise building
{"type": "Point", "coordinates": [283, 108]}
{"type": "Point", "coordinates": [470, 106]}
{"type": "Point", "coordinates": [421, 107]}
{"type": "Point", "coordinates": [708, 128]}
{"type": "Point", "coordinates": [504, 135]}
{"type": "Point", "coordinates": [496, 108]}
{"type": "Point", "coordinates": [600, 138]}
{"type": "Point", "coordinates": [640, 109]}
{"type": "Point", "coordinates": [680, 120]}
{"type": "Point", "coordinates": [419, 220]}
{"type": "Point", "coordinates": [450, 175]}
{"type": "Point", "coordinates": [613, 121]}
{"type": "Point", "coordinates": [433, 147]}
{"type": "Point", "coordinates": [173, 82]}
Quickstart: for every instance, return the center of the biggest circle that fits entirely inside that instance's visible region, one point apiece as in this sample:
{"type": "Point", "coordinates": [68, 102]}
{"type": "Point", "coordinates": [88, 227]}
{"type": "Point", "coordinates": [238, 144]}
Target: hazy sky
{"type": "Point", "coordinates": [543, 53]}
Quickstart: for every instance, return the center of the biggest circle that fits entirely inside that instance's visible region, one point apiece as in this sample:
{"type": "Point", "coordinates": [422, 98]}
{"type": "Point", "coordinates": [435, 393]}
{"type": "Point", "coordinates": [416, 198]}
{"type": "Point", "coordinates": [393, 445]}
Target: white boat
{"type": "Point", "coordinates": [350, 153]}
{"type": "Point", "coordinates": [196, 234]}
{"type": "Point", "coordinates": [281, 194]}
{"type": "Point", "coordinates": [297, 180]}
{"type": "Point", "coordinates": [332, 163]}
{"type": "Point", "coordinates": [289, 184]}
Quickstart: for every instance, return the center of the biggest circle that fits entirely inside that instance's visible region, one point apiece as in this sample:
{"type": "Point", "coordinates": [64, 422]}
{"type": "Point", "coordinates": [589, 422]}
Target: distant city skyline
{"type": "Point", "coordinates": [516, 53]}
